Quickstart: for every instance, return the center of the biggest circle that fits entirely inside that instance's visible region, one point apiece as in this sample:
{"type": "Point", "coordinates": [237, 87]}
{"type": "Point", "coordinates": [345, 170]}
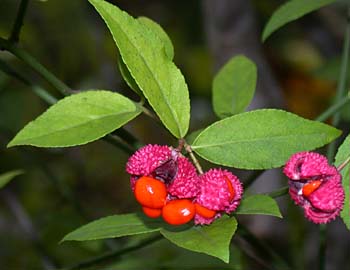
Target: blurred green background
{"type": "Point", "coordinates": [63, 189]}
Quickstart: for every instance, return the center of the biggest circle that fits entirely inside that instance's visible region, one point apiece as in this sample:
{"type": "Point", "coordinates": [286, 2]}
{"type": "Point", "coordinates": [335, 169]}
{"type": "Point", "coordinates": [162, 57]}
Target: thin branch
{"type": "Point", "coordinates": [14, 37]}
{"type": "Point", "coordinates": [181, 145]}
{"type": "Point", "coordinates": [193, 157]}
{"type": "Point", "coordinates": [39, 91]}
{"type": "Point", "coordinates": [35, 65]}
{"type": "Point", "coordinates": [113, 255]}
{"type": "Point", "coordinates": [335, 108]}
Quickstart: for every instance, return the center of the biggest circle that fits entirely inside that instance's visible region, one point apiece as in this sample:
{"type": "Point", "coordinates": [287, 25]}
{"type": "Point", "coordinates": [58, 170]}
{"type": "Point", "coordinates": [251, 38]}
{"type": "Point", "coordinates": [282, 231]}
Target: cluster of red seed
{"type": "Point", "coordinates": [152, 195]}
{"type": "Point", "coordinates": [166, 184]}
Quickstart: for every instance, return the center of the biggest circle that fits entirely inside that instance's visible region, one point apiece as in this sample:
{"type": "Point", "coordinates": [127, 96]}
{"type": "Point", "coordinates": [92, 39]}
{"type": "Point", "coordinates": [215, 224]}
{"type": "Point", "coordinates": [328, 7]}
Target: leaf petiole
{"type": "Point", "coordinates": [193, 157]}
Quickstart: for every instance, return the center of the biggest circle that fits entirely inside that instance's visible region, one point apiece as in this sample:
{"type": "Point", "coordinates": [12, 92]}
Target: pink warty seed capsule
{"type": "Point", "coordinates": [186, 182]}
{"type": "Point", "coordinates": [220, 191]}
{"type": "Point", "coordinates": [315, 186]}
{"type": "Point", "coordinates": [200, 220]}
{"type": "Point", "coordinates": [305, 165]}
{"type": "Point", "coordinates": [145, 160]}
{"type": "Point", "coordinates": [329, 196]}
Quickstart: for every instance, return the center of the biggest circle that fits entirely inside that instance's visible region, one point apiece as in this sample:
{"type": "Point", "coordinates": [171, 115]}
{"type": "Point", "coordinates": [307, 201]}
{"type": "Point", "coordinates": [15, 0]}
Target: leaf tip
{"type": "Point", "coordinates": [61, 241]}
{"type": "Point", "coordinates": [226, 259]}
{"type": "Point", "coordinates": [66, 237]}
{"type": "Point", "coordinates": [11, 143]}
{"type": "Point", "coordinates": [265, 34]}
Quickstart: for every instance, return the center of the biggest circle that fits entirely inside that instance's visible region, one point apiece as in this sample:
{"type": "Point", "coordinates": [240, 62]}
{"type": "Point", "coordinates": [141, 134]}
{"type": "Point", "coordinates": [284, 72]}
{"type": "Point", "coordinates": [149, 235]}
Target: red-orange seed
{"type": "Point", "coordinates": [230, 188]}
{"type": "Point", "coordinates": [204, 212]}
{"type": "Point", "coordinates": [152, 212]}
{"type": "Point", "coordinates": [311, 187]}
{"type": "Point", "coordinates": [178, 212]}
{"type": "Point", "coordinates": [150, 192]}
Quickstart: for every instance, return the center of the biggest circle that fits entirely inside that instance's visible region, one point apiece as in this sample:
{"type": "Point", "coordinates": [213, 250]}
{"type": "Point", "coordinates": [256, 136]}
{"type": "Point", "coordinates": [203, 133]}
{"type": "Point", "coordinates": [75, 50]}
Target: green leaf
{"type": "Point", "coordinates": [343, 154]}
{"type": "Point", "coordinates": [168, 46]}
{"type": "Point", "coordinates": [291, 11]}
{"type": "Point", "coordinates": [78, 119]}
{"type": "Point", "coordinates": [258, 205]}
{"type": "Point", "coordinates": [159, 31]}
{"type": "Point", "coordinates": [5, 178]}
{"type": "Point", "coordinates": [234, 86]}
{"type": "Point", "coordinates": [130, 81]}
{"type": "Point", "coordinates": [144, 54]}
{"type": "Point", "coordinates": [213, 240]}
{"type": "Point", "coordinates": [261, 139]}
{"type": "Point", "coordinates": [115, 226]}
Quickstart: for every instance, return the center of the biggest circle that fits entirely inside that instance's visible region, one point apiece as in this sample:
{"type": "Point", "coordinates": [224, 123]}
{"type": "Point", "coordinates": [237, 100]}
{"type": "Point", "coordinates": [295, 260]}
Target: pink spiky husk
{"type": "Point", "coordinates": [323, 204]}
{"type": "Point", "coordinates": [304, 165]}
{"type": "Point", "coordinates": [215, 194]}
{"type": "Point", "coordinates": [199, 220]}
{"type": "Point", "coordinates": [186, 181]}
{"type": "Point", "coordinates": [147, 159]}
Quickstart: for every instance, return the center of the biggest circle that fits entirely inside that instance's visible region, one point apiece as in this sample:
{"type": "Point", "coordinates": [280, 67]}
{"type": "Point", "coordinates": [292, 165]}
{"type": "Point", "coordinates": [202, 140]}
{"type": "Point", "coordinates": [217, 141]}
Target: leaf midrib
{"type": "Point", "coordinates": [206, 236]}
{"type": "Point", "coordinates": [78, 235]}
{"type": "Point", "coordinates": [79, 125]}
{"type": "Point", "coordinates": [194, 146]}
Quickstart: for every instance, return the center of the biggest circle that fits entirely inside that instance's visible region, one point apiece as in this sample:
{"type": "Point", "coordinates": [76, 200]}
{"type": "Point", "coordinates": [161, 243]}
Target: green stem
{"type": "Point", "coordinates": [113, 255]}
{"type": "Point", "coordinates": [39, 91]}
{"type": "Point", "coordinates": [14, 37]}
{"type": "Point", "coordinates": [35, 65]}
{"type": "Point", "coordinates": [334, 109]}
{"type": "Point", "coordinates": [193, 157]}
{"type": "Point", "coordinates": [342, 81]}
